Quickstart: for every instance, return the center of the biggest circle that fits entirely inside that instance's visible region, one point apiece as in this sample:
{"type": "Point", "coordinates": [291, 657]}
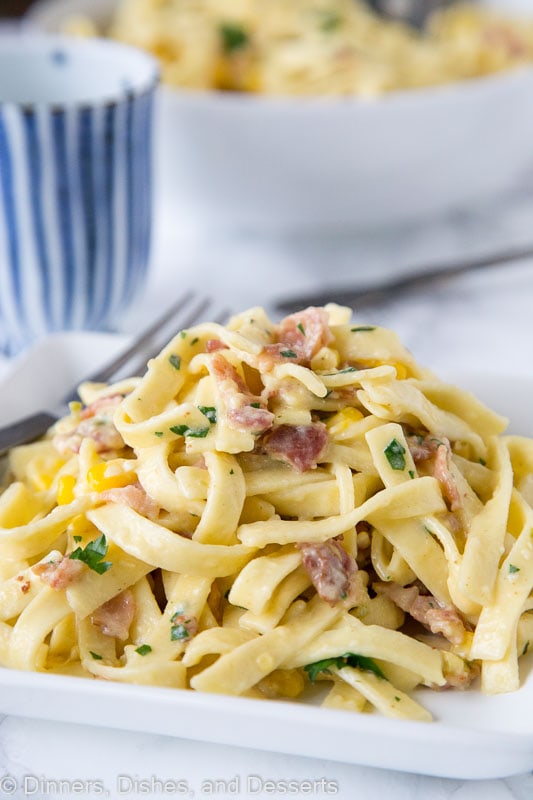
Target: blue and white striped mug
{"type": "Point", "coordinates": [76, 121]}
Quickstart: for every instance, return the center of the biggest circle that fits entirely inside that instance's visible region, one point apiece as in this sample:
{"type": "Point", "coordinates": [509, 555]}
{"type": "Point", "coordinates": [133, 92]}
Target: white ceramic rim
{"type": "Point", "coordinates": [142, 78]}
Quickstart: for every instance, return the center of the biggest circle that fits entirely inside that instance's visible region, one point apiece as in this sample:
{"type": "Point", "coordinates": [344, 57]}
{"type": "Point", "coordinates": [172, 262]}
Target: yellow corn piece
{"type": "Point", "coordinates": [110, 475]}
{"type": "Point", "coordinates": [341, 421]}
{"type": "Point", "coordinates": [282, 683]}
{"type": "Point", "coordinates": [65, 489]}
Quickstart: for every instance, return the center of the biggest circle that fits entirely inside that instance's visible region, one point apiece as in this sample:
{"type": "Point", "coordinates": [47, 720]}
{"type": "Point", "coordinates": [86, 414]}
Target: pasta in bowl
{"type": "Point", "coordinates": [314, 129]}
{"type": "Point", "coordinates": [270, 506]}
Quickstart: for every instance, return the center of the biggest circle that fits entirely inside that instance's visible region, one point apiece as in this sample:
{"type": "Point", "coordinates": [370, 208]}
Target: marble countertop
{"type": "Point", "coordinates": [479, 321]}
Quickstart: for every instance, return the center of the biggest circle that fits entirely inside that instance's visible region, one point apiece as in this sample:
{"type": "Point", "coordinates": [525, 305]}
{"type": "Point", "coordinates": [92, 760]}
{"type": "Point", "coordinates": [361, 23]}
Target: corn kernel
{"type": "Point", "coordinates": [109, 475]}
{"type": "Point", "coordinates": [65, 489]}
{"type": "Point", "coordinates": [282, 683]}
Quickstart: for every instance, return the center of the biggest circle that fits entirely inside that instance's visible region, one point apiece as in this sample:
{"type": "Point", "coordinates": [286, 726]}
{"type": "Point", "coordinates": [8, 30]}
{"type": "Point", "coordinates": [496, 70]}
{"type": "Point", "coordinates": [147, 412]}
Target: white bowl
{"type": "Point", "coordinates": [290, 163]}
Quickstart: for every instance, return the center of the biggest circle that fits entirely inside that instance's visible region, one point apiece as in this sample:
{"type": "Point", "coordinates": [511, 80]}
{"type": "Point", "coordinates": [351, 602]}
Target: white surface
{"type": "Point", "coordinates": [83, 71]}
{"type": "Point", "coordinates": [270, 164]}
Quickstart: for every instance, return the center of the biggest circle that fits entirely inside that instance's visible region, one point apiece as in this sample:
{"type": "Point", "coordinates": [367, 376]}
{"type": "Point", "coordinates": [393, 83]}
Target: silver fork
{"type": "Point", "coordinates": [186, 311]}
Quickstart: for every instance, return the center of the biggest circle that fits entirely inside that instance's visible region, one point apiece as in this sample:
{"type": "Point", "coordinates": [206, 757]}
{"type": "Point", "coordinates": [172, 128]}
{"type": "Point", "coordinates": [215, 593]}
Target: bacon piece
{"type": "Point", "coordinates": [245, 410]}
{"type": "Point", "coordinates": [425, 609]}
{"type": "Point", "coordinates": [298, 338]}
{"type": "Point", "coordinates": [438, 452]}
{"type": "Point", "coordinates": [115, 617]}
{"type": "Point", "coordinates": [133, 496]}
{"type": "Point", "coordinates": [442, 473]}
{"type": "Point", "coordinates": [59, 574]}
{"type": "Point", "coordinates": [299, 445]}
{"type": "Point", "coordinates": [306, 331]}
{"type": "Point", "coordinates": [330, 568]}
{"type": "Point", "coordinates": [498, 35]}
{"type": "Point", "coordinates": [212, 345]}
{"type": "Point", "coordinates": [96, 423]}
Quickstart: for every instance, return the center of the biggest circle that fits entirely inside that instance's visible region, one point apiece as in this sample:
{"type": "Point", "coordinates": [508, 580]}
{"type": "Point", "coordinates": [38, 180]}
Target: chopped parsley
{"type": "Point", "coordinates": [255, 405]}
{"type": "Point", "coordinates": [233, 37]}
{"type": "Point", "coordinates": [96, 656]}
{"type": "Point", "coordinates": [395, 454]}
{"type": "Point", "coordinates": [301, 328]}
{"type": "Point", "coordinates": [158, 433]}
{"type": "Point", "coordinates": [92, 555]}
{"type": "Point", "coordinates": [185, 430]}
{"type": "Point", "coordinates": [346, 660]}
{"type": "Point", "coordinates": [330, 21]}
{"type": "Point", "coordinates": [143, 649]}
{"type": "Point", "coordinates": [195, 341]}
{"type": "Point", "coordinates": [175, 361]}
{"type": "Point", "coordinates": [411, 474]}
{"type": "Point", "coordinates": [178, 629]}
{"type": "Point", "coordinates": [362, 328]}
{"type": "Point", "coordinates": [341, 372]}
{"type": "Point", "coordinates": [513, 569]}
{"type": "Point", "coordinates": [183, 334]}
{"type": "Point", "coordinates": [288, 354]}
{"type": "Point", "coordinates": [210, 412]}
{"type": "Point", "coordinates": [77, 538]}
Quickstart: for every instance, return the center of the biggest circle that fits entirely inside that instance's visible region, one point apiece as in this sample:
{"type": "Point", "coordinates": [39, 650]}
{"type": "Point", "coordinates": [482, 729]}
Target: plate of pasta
{"type": "Point", "coordinates": [284, 535]}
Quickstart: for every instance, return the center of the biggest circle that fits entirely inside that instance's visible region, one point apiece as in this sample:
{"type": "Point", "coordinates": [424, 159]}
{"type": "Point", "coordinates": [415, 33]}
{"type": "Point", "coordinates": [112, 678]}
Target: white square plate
{"type": "Point", "coordinates": [473, 736]}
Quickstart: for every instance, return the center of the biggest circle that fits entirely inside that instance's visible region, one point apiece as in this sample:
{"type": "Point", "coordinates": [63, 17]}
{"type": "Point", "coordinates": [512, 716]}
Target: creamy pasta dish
{"type": "Point", "coordinates": [310, 47]}
{"type": "Point", "coordinates": [272, 510]}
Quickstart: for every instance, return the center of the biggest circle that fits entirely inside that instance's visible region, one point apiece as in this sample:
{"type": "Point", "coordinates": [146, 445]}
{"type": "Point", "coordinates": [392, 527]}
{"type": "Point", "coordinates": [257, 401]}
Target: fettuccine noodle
{"type": "Point", "coordinates": [272, 508]}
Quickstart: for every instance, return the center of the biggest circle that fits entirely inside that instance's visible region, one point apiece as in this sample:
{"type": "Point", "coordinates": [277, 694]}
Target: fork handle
{"type": "Point", "coordinates": [25, 430]}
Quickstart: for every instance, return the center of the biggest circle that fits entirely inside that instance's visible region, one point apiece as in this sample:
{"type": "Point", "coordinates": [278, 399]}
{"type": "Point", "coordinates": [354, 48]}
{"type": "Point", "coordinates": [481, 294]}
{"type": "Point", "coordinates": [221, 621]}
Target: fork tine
{"type": "Point", "coordinates": [187, 310]}
{"type": "Point", "coordinates": [142, 352]}
{"type": "Point", "coordinates": [144, 347]}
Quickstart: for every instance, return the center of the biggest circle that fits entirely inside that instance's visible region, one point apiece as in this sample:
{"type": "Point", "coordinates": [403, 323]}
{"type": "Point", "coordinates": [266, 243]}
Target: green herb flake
{"type": "Point", "coordinates": [185, 430]}
{"type": "Point", "coordinates": [143, 649]}
{"type": "Point", "coordinates": [330, 21]}
{"type": "Point", "coordinates": [255, 405]}
{"type": "Point", "coordinates": [158, 433]}
{"type": "Point", "coordinates": [93, 554]}
{"type": "Point", "coordinates": [397, 699]}
{"type": "Point", "coordinates": [77, 538]}
{"type": "Point", "coordinates": [482, 462]}
{"type": "Point", "coordinates": [345, 371]}
{"type": "Point", "coordinates": [175, 361]}
{"type": "Point", "coordinates": [183, 334]}
{"type": "Point", "coordinates": [411, 474]}
{"type": "Point", "coordinates": [210, 412]}
{"type": "Point", "coordinates": [395, 454]}
{"type": "Point", "coordinates": [513, 569]}
{"type": "Point", "coordinates": [346, 660]}
{"type": "Point", "coordinates": [194, 341]}
{"type": "Point", "coordinates": [96, 656]}
{"type": "Point", "coordinates": [362, 328]}
{"type": "Point", "coordinates": [232, 472]}
{"type": "Point", "coordinates": [288, 354]}
{"type": "Point", "coordinates": [233, 37]}
{"type": "Point", "coordinates": [301, 328]}
{"type": "Point", "coordinates": [526, 648]}
{"type": "Point", "coordinates": [179, 630]}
